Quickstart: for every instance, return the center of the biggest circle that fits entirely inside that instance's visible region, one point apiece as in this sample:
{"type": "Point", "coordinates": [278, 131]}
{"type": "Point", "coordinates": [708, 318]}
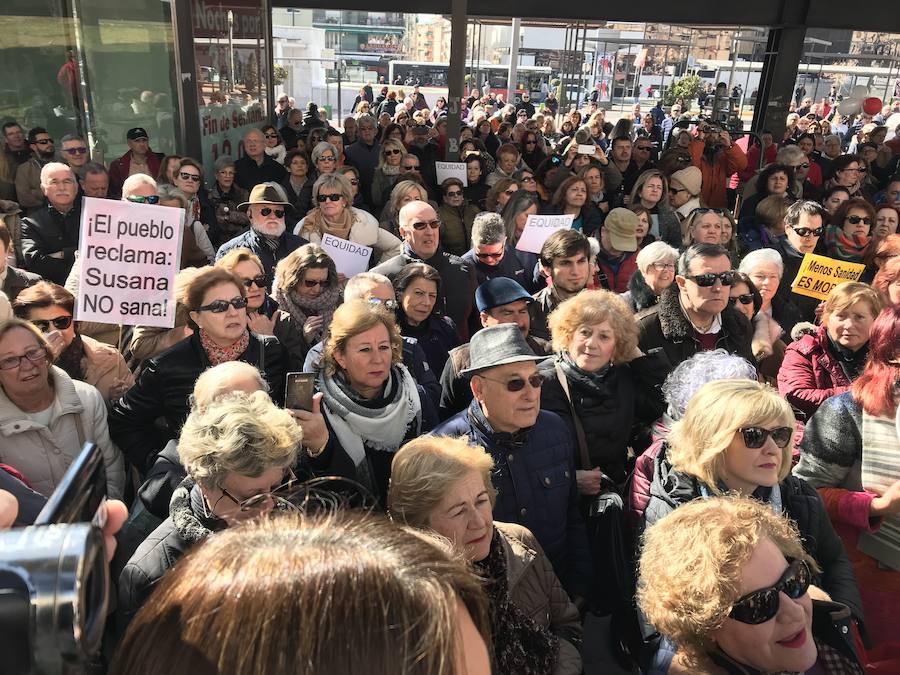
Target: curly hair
{"type": "Point", "coordinates": [590, 308]}
{"type": "Point", "coordinates": [688, 376]}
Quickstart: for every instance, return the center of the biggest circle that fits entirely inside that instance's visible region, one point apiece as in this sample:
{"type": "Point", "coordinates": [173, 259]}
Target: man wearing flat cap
{"type": "Point", "coordinates": [532, 449]}
{"type": "Point", "coordinates": [139, 159]}
{"type": "Point", "coordinates": [267, 236]}
{"type": "Point", "coordinates": [617, 259]}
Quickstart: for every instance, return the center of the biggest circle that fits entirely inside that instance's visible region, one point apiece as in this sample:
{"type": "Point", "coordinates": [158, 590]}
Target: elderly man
{"type": "Point", "coordinates": [139, 159]}
{"type": "Point", "coordinates": [364, 153]}
{"type": "Point", "coordinates": [420, 228]}
{"type": "Point", "coordinates": [50, 234]}
{"type": "Point", "coordinates": [532, 450]}
{"type": "Point", "coordinates": [565, 261]}
{"type": "Point", "coordinates": [617, 259]}
{"type": "Point", "coordinates": [490, 256]}
{"type": "Point", "coordinates": [693, 314]}
{"type": "Point", "coordinates": [804, 224]}
{"type": "Point", "coordinates": [256, 166]}
{"type": "Point", "coordinates": [267, 237]}
{"type": "Point", "coordinates": [668, 122]}
{"type": "Point", "coordinates": [499, 301]}
{"type": "Point", "coordinates": [94, 181]}
{"type": "Point", "coordinates": [717, 158]}
{"type": "Point", "coordinates": [74, 152]}
{"type": "Point", "coordinates": [29, 193]}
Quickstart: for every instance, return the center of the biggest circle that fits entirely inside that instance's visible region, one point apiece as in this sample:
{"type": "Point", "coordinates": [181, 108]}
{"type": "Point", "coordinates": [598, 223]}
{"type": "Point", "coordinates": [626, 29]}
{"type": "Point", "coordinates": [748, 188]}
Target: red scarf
{"type": "Point", "coordinates": [217, 354]}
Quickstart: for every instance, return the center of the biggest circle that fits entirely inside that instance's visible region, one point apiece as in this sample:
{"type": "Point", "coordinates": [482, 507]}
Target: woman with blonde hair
{"type": "Point", "coordinates": [387, 172]}
{"type": "Point", "coordinates": [729, 582]}
{"type": "Point", "coordinates": [651, 190]}
{"type": "Point", "coordinates": [444, 485]}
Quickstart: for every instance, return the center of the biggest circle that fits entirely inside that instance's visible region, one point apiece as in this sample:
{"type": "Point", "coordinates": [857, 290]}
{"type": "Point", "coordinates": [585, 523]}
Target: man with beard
{"type": "Point", "coordinates": [28, 175]}
{"type": "Point", "coordinates": [717, 158]}
{"type": "Point", "coordinates": [266, 237]}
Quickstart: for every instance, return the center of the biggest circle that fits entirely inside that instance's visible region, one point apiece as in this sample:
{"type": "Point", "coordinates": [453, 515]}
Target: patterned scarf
{"type": "Point", "coordinates": [839, 245]}
{"type": "Point", "coordinates": [315, 223]}
{"type": "Point", "coordinates": [301, 308]}
{"type": "Point", "coordinates": [217, 354]}
{"type": "Point", "coordinates": [520, 646]}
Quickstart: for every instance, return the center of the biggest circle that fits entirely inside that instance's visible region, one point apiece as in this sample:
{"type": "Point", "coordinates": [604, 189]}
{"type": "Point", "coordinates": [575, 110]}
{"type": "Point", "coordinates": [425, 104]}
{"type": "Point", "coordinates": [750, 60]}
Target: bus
{"type": "Point", "coordinates": [533, 79]}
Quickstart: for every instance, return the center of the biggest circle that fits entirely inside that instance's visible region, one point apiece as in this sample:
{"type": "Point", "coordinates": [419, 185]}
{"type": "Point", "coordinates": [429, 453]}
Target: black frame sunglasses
{"type": "Point", "coordinates": [59, 323]}
{"type": "Point", "coordinates": [755, 437]}
{"type": "Point", "coordinates": [806, 231]}
{"type": "Point", "coordinates": [138, 199]}
{"type": "Point", "coordinates": [324, 198]}
{"type": "Point", "coordinates": [517, 383]}
{"type": "Point", "coordinates": [221, 306]}
{"type": "Point", "coordinates": [261, 281]}
{"type": "Point", "coordinates": [265, 211]}
{"type": "Point", "coordinates": [422, 224]}
{"type": "Point", "coordinates": [762, 605]}
{"type": "Point", "coordinates": [708, 279]}
{"type": "Point", "coordinates": [744, 298]}
{"type": "Point", "coordinates": [855, 220]}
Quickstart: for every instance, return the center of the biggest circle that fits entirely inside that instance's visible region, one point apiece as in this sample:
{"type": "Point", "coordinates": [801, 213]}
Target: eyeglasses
{"type": "Point", "coordinates": [324, 198]}
{"type": "Point", "coordinates": [393, 151]}
{"type": "Point", "coordinates": [643, 148]}
{"type": "Point", "coordinates": [36, 355]}
{"type": "Point", "coordinates": [75, 151]}
{"type": "Point", "coordinates": [43, 141]}
{"type": "Point", "coordinates": [257, 500]}
{"type": "Point", "coordinates": [266, 211]}
{"type": "Point", "coordinates": [709, 279]}
{"type": "Point", "coordinates": [353, 181]}
{"type": "Point", "coordinates": [804, 165]}
{"type": "Point", "coordinates": [675, 191]}
{"type": "Point", "coordinates": [510, 192]}
{"type": "Point", "coordinates": [219, 306]}
{"type": "Point", "coordinates": [414, 167]}
{"type": "Point", "coordinates": [489, 256]}
{"type": "Point", "coordinates": [762, 605]}
{"type": "Point", "coordinates": [422, 224]}
{"type": "Point", "coordinates": [261, 281]}
{"type": "Point", "coordinates": [389, 304]}
{"type": "Point", "coordinates": [453, 193]}
{"type": "Point", "coordinates": [662, 267]}
{"type": "Point", "coordinates": [807, 231]}
{"type": "Point", "coordinates": [59, 323]}
{"type": "Point", "coordinates": [312, 283]}
{"type": "Point", "coordinates": [139, 199]}
{"type": "Point", "coordinates": [517, 383]}
{"type": "Point", "coordinates": [325, 158]}
{"type": "Point", "coordinates": [195, 177]}
{"type": "Point", "coordinates": [271, 135]}
{"type": "Point", "coordinates": [743, 298]}
{"type": "Point", "coordinates": [855, 220]}
{"type": "Point", "coordinates": [528, 179]}
{"type": "Point", "coordinates": [755, 437]}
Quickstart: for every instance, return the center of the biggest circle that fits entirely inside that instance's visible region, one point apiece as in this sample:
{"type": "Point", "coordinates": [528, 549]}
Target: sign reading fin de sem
{"type": "Point", "coordinates": [539, 228]}
{"type": "Point", "coordinates": [128, 254]}
{"type": "Point", "coordinates": [818, 275]}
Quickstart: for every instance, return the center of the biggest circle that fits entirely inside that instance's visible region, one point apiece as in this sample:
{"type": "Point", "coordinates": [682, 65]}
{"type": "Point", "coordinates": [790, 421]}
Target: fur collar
{"type": "Point", "coordinates": [642, 296]}
{"type": "Point", "coordinates": [675, 325]}
{"type": "Point", "coordinates": [186, 510]}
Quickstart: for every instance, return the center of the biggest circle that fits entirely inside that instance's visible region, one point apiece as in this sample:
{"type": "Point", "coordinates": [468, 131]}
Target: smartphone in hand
{"type": "Point", "coordinates": [298, 391]}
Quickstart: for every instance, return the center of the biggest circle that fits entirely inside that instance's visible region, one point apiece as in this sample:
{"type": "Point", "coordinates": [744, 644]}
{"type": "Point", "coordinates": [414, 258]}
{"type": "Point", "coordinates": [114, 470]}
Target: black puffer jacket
{"type": "Point", "coordinates": [163, 389]}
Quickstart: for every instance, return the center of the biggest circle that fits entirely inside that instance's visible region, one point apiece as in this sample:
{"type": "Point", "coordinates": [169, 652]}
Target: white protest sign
{"type": "Point", "coordinates": [539, 228]}
{"type": "Point", "coordinates": [349, 257]}
{"type": "Point", "coordinates": [129, 254]}
{"type": "Point", "coordinates": [445, 170]}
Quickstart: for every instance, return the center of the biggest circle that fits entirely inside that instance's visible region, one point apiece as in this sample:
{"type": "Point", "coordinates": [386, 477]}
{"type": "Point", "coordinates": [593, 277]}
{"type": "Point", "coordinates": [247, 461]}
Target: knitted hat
{"type": "Point", "coordinates": [690, 177]}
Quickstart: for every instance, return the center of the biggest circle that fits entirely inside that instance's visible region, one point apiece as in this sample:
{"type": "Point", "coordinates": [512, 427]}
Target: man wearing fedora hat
{"type": "Point", "coordinates": [532, 450]}
{"type": "Point", "coordinates": [139, 159]}
{"type": "Point", "coordinates": [267, 236]}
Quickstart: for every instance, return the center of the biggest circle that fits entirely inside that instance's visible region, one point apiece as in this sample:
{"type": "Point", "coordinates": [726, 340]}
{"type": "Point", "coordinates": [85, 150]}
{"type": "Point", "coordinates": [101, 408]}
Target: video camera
{"type": "Point", "coordinates": [723, 110]}
{"type": "Point", "coordinates": [54, 577]}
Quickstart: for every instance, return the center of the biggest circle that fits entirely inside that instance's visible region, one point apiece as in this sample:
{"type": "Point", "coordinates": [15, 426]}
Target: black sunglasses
{"type": "Point", "coordinates": [709, 279]}
{"type": "Point", "coordinates": [271, 135]}
{"type": "Point", "coordinates": [266, 211]}
{"type": "Point", "coordinates": [312, 283]}
{"type": "Point", "coordinates": [422, 224]}
{"type": "Point", "coordinates": [75, 151]}
{"type": "Point", "coordinates": [806, 231]}
{"type": "Point", "coordinates": [762, 605]}
{"type": "Point", "coordinates": [219, 306]}
{"type": "Point", "coordinates": [855, 220]}
{"type": "Point", "coordinates": [707, 209]}
{"type": "Point", "coordinates": [745, 299]}
{"type": "Point", "coordinates": [189, 176]}
{"type": "Point", "coordinates": [138, 199]}
{"type": "Point", "coordinates": [517, 383]}
{"type": "Point", "coordinates": [59, 323]}
{"type": "Point", "coordinates": [43, 141]}
{"type": "Point", "coordinates": [324, 198]}
{"type": "Point", "coordinates": [755, 437]}
{"type": "Point", "coordinates": [393, 151]}
{"type": "Point", "coordinates": [261, 281]}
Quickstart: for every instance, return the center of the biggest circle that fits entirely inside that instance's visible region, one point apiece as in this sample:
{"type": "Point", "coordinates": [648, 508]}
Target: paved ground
{"type": "Point", "coordinates": [598, 658]}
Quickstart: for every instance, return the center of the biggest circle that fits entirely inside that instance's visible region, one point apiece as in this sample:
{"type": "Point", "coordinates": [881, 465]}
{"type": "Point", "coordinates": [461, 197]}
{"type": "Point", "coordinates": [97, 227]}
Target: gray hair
{"type": "Point", "coordinates": [366, 120]}
{"type": "Point", "coordinates": [658, 251]}
{"type": "Point", "coordinates": [223, 163]}
{"type": "Point", "coordinates": [360, 282]}
{"type": "Point", "coordinates": [487, 229]}
{"type": "Point", "coordinates": [832, 137]}
{"type": "Point", "coordinates": [335, 181]}
{"type": "Point", "coordinates": [789, 154]}
{"type": "Point", "coordinates": [699, 251]}
{"type": "Point", "coordinates": [799, 207]}
{"type": "Point", "coordinates": [170, 192]}
{"type": "Point", "coordinates": [134, 181]}
{"type": "Point", "coordinates": [323, 146]}
{"type": "Point", "coordinates": [51, 167]}
{"type": "Point", "coordinates": [219, 380]}
{"type": "Point", "coordinates": [71, 137]}
{"type": "Point", "coordinates": [762, 255]}
{"type": "Point", "coordinates": [690, 375]}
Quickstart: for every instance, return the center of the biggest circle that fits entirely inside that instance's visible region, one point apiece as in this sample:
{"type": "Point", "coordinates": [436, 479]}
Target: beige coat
{"type": "Point", "coordinates": [43, 453]}
{"type": "Point", "coordinates": [535, 589]}
{"type": "Point", "coordinates": [366, 231]}
{"type": "Point", "coordinates": [105, 368]}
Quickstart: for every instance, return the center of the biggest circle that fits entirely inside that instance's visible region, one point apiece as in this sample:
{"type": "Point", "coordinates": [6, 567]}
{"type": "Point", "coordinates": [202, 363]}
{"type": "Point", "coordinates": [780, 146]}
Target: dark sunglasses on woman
{"type": "Point", "coordinates": [755, 437]}
{"type": "Point", "coordinates": [220, 306]}
{"type": "Point", "coordinates": [59, 323]}
{"type": "Point", "coordinates": [743, 298]}
{"type": "Point", "coordinates": [324, 198]}
{"type": "Point", "coordinates": [855, 220]}
{"type": "Point", "coordinates": [260, 280]}
{"type": "Point", "coordinates": [762, 605]}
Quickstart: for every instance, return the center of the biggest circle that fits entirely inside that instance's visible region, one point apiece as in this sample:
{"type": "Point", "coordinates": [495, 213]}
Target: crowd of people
{"type": "Point", "coordinates": [642, 419]}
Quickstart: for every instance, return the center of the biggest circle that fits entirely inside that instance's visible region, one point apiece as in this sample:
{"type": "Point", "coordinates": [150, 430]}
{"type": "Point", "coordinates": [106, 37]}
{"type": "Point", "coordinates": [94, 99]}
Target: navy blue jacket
{"type": "Point", "coordinates": [534, 475]}
{"type": "Point", "coordinates": [252, 240]}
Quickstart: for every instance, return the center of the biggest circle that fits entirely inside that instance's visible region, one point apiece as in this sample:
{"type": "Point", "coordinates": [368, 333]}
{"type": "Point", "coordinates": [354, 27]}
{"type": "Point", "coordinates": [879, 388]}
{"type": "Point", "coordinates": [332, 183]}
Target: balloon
{"type": "Point", "coordinates": [872, 105]}
{"type": "Point", "coordinates": [849, 107]}
{"type": "Point", "coordinates": [860, 91]}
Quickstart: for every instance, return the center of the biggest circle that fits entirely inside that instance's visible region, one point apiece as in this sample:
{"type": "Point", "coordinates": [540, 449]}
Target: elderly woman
{"type": "Point", "coordinates": [499, 194]}
{"type": "Point", "coordinates": [371, 403]}
{"type": "Point", "coordinates": [189, 180]}
{"type": "Point", "coordinates": [887, 281]}
{"type": "Point", "coordinates": [298, 183]}
{"type": "Point", "coordinates": [444, 485]}
{"type": "Point", "coordinates": [848, 172]}
{"type": "Point", "coordinates": [848, 452]}
{"type": "Point", "coordinates": [196, 248]}
{"type": "Point", "coordinates": [351, 173]}
{"type": "Point", "coordinates": [651, 191]}
{"type": "Point", "coordinates": [849, 234]}
{"type": "Point", "coordinates": [335, 215]}
{"type": "Point", "coordinates": [387, 172]}
{"type": "Point", "coordinates": [596, 182]}
{"type": "Point", "coordinates": [456, 215]}
{"type": "Point", "coordinates": [404, 192]}
{"type": "Point", "coordinates": [46, 416]}
{"type": "Point", "coordinates": [418, 287]}
{"type": "Point", "coordinates": [655, 272]}
{"type": "Point", "coordinates": [703, 226]}
{"type": "Point", "coordinates": [600, 383]}
{"type": "Point", "coordinates": [238, 453]}
{"type": "Point", "coordinates": [225, 196]}
{"type": "Point", "coordinates": [274, 146]}
{"type": "Point", "coordinates": [50, 308]}
{"type": "Point", "coordinates": [765, 268]}
{"type": "Point", "coordinates": [571, 197]}
{"type": "Point", "coordinates": [217, 304]}
{"type": "Point", "coordinates": [818, 366]}
{"type": "Point", "coordinates": [306, 287]}
{"type": "Point", "coordinates": [768, 347]}
{"type": "Point", "coordinates": [324, 158]}
{"type": "Point", "coordinates": [737, 596]}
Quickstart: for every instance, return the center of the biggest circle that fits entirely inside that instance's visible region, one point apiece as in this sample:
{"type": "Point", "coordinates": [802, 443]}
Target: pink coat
{"type": "Point", "coordinates": [809, 373]}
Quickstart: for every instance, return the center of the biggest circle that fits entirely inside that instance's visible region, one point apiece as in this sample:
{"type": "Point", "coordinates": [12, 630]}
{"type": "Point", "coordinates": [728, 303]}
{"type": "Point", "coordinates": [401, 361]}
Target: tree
{"type": "Point", "coordinates": [279, 74]}
{"type": "Point", "coordinates": [685, 89]}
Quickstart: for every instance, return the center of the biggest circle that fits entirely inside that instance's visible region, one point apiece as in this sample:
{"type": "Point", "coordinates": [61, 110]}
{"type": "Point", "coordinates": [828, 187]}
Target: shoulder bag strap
{"type": "Point", "coordinates": [579, 430]}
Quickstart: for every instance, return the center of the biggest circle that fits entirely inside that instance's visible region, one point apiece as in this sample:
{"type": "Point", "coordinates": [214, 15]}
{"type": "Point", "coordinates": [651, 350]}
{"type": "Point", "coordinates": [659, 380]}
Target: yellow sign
{"type": "Point", "coordinates": [818, 275]}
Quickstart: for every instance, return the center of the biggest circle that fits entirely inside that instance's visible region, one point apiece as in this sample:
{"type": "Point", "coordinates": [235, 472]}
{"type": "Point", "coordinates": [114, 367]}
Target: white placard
{"type": "Point", "coordinates": [129, 254]}
{"type": "Point", "coordinates": [349, 257]}
{"type": "Point", "coordinates": [539, 228]}
{"type": "Point", "coordinates": [445, 170]}
{"type": "Point", "coordinates": [587, 150]}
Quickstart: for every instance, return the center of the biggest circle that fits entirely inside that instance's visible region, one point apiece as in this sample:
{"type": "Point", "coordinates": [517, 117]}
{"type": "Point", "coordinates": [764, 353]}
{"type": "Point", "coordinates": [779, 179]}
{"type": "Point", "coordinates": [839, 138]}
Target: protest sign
{"type": "Point", "coordinates": [129, 254]}
{"type": "Point", "coordinates": [818, 275]}
{"type": "Point", "coordinates": [349, 257]}
{"type": "Point", "coordinates": [445, 170]}
{"type": "Point", "coordinates": [539, 228]}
